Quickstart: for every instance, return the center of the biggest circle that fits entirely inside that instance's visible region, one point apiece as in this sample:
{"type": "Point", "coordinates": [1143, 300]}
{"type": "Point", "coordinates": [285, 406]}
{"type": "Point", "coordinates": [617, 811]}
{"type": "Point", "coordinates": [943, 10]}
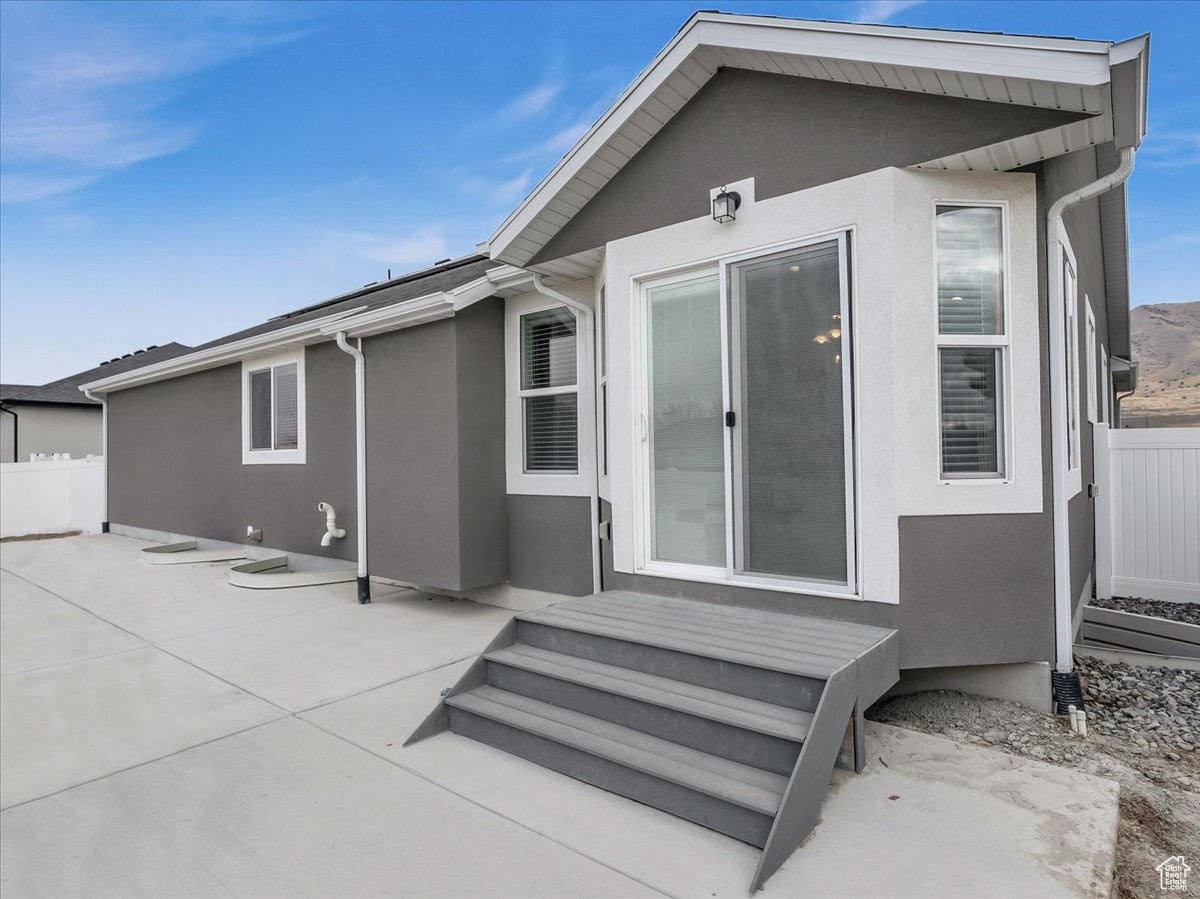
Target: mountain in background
{"type": "Point", "coordinates": [1166, 346]}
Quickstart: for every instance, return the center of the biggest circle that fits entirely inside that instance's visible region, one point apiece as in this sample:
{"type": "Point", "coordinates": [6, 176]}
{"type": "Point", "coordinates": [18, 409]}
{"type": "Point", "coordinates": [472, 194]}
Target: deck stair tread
{"type": "Point", "coordinates": [715, 705]}
{"type": "Point", "coordinates": [774, 641]}
{"type": "Point", "coordinates": [741, 785]}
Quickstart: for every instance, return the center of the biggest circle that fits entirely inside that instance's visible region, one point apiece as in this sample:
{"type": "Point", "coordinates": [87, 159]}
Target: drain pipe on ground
{"type": "Point", "coordinates": [103, 401]}
{"type": "Point", "coordinates": [360, 466]}
{"type": "Point", "coordinates": [1065, 680]}
{"type": "Point", "coordinates": [589, 324]}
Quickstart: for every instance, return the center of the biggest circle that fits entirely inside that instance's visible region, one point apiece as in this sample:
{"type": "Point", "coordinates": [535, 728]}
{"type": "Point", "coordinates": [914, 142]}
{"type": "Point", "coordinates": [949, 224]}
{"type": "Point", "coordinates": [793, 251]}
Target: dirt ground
{"type": "Point", "coordinates": [1160, 797]}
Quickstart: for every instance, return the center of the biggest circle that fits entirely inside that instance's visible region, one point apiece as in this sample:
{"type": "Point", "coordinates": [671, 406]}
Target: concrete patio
{"type": "Point", "coordinates": [166, 734]}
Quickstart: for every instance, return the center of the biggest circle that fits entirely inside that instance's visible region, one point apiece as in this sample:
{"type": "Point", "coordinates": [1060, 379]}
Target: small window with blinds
{"type": "Point", "coordinates": [972, 339]}
{"type": "Point", "coordinates": [273, 416]}
{"type": "Point", "coordinates": [550, 392]}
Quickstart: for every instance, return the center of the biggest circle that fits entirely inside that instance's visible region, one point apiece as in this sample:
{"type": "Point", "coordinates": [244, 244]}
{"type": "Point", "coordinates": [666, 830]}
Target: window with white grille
{"type": "Point", "coordinates": [972, 340]}
{"type": "Point", "coordinates": [550, 391]}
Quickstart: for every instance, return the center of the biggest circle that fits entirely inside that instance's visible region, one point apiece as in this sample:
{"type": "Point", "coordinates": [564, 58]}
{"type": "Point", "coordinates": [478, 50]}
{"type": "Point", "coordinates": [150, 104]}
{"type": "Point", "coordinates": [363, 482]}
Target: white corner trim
{"type": "Point", "coordinates": [297, 456]}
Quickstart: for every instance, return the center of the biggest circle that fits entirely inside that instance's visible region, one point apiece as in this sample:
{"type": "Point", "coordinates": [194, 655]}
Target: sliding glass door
{"type": "Point", "coordinates": [748, 424]}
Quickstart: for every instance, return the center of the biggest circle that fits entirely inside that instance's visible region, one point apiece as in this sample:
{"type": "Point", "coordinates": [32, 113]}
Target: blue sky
{"type": "Point", "coordinates": [180, 171]}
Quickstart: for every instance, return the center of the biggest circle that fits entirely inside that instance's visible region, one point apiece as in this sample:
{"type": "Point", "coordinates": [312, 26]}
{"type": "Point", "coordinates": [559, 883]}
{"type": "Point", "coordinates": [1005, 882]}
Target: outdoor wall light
{"type": "Point", "coordinates": [725, 205]}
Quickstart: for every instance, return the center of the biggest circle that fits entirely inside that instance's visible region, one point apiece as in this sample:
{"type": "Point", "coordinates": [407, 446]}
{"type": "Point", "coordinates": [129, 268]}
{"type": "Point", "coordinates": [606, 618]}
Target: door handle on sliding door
{"type": "Point", "coordinates": [644, 426]}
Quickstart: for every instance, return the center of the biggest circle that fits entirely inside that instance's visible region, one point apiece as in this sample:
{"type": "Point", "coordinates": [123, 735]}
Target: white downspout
{"type": "Point", "coordinates": [589, 324]}
{"type": "Point", "coordinates": [103, 401]}
{"type": "Point", "coordinates": [360, 454]}
{"type": "Point", "coordinates": [1056, 233]}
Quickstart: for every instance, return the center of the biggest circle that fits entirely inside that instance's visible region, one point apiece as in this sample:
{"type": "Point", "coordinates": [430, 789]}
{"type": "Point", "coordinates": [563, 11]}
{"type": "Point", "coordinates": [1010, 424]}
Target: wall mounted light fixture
{"type": "Point", "coordinates": [725, 204]}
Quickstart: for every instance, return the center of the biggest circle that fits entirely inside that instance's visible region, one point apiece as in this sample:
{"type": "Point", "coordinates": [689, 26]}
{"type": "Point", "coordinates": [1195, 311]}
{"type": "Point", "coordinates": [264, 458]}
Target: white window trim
{"type": "Point", "coordinates": [297, 456]}
{"type": "Point", "coordinates": [1001, 342]}
{"type": "Point", "coordinates": [603, 426]}
{"type": "Point", "coordinates": [1090, 351]}
{"type": "Point", "coordinates": [547, 483]}
{"type": "Point", "coordinates": [644, 563]}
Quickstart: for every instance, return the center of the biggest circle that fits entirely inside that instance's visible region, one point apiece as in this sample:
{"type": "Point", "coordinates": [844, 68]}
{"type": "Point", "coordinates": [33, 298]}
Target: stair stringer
{"type": "Point", "coordinates": [806, 789]}
{"type": "Point", "coordinates": [476, 676]}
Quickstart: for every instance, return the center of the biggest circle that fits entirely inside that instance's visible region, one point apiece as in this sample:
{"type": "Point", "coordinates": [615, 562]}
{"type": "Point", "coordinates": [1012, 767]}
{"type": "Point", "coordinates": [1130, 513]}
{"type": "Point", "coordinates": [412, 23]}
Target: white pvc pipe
{"type": "Point", "coordinates": [589, 322]}
{"type": "Point", "coordinates": [332, 531]}
{"type": "Point", "coordinates": [360, 452]}
{"type": "Point", "coordinates": [103, 401]}
{"type": "Point", "coordinates": [1055, 234]}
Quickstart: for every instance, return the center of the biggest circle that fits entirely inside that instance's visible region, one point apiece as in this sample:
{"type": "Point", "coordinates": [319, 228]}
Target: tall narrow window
{"type": "Point", "coordinates": [1105, 388]}
{"type": "Point", "coordinates": [1070, 294]}
{"type": "Point", "coordinates": [972, 340]}
{"type": "Point", "coordinates": [549, 391]}
{"type": "Point", "coordinates": [602, 332]}
{"type": "Point", "coordinates": [273, 416]}
{"type": "Point", "coordinates": [1093, 405]}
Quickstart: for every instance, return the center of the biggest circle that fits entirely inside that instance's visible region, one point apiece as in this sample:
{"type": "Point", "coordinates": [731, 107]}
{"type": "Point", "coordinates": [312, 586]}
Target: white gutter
{"type": "Point", "coordinates": [589, 322]}
{"type": "Point", "coordinates": [223, 354]}
{"type": "Point", "coordinates": [1056, 237]}
{"type": "Point", "coordinates": [360, 460]}
{"type": "Point", "coordinates": [104, 455]}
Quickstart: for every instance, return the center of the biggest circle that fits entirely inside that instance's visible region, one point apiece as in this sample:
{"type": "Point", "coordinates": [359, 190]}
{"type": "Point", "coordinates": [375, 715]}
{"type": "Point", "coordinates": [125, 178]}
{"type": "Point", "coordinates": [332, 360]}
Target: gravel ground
{"type": "Point", "coordinates": [1187, 612]}
{"type": "Point", "coordinates": [1156, 762]}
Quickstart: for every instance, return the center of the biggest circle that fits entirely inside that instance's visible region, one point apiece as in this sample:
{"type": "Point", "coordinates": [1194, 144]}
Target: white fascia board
{"type": "Point", "coordinates": [305, 332]}
{"type": "Point", "coordinates": [418, 311]}
{"type": "Point", "coordinates": [411, 313]}
{"type": "Point", "coordinates": [1082, 63]}
{"type": "Point", "coordinates": [1129, 101]}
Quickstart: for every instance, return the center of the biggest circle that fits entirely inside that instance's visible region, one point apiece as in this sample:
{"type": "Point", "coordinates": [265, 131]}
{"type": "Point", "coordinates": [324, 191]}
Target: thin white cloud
{"type": "Point", "coordinates": [419, 248]}
{"type": "Point", "coordinates": [532, 103]}
{"type": "Point", "coordinates": [499, 191]}
{"type": "Point", "coordinates": [880, 11]}
{"type": "Point", "coordinates": [83, 95]}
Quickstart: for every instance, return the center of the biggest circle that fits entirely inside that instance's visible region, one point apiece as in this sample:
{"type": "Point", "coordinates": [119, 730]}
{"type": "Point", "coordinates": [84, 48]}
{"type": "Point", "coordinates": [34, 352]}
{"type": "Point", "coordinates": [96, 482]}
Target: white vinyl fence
{"type": "Point", "coordinates": [1148, 513]}
{"type": "Point", "coordinates": [51, 497]}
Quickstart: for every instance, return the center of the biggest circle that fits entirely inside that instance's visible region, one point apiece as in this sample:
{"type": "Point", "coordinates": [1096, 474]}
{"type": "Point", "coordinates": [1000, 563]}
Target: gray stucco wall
{"type": "Point", "coordinates": [435, 451]}
{"type": "Point", "coordinates": [551, 540]}
{"type": "Point", "coordinates": [51, 429]}
{"type": "Point", "coordinates": [175, 460]}
{"type": "Point", "coordinates": [976, 590]}
{"type": "Point", "coordinates": [789, 134]}
{"type": "Point", "coordinates": [438, 514]}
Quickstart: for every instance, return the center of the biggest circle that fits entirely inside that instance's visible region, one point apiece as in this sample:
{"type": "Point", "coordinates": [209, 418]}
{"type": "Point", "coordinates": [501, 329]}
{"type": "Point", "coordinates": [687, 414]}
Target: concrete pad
{"type": "Point", "coordinates": [68, 724]}
{"type": "Point", "coordinates": [37, 629]}
{"type": "Point", "coordinates": [967, 821]}
{"type": "Point", "coordinates": [283, 811]}
{"type": "Point", "coordinates": [105, 574]}
{"type": "Point", "coordinates": [303, 660]}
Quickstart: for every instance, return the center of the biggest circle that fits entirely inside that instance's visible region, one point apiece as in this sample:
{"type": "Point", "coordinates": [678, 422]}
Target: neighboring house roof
{"type": "Point", "coordinates": [413, 298]}
{"type": "Point", "coordinates": [1105, 82]}
{"type": "Point", "coordinates": [65, 391]}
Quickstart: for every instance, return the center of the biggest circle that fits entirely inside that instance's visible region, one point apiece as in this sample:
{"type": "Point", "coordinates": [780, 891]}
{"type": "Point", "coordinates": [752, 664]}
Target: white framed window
{"type": "Point", "coordinates": [550, 399]}
{"type": "Point", "coordinates": [1093, 404]}
{"type": "Point", "coordinates": [1105, 388]}
{"type": "Point", "coordinates": [973, 342]}
{"type": "Point", "coordinates": [273, 409]}
{"type": "Point", "coordinates": [602, 389]}
{"type": "Point", "coordinates": [1070, 298]}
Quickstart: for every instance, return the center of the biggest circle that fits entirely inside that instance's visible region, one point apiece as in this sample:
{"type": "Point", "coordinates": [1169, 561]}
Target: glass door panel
{"type": "Point", "coordinates": [687, 470]}
{"type": "Point", "coordinates": [790, 443]}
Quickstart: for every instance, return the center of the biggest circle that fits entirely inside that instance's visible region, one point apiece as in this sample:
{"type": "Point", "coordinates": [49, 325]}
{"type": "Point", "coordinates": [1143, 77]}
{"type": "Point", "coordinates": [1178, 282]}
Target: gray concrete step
{"type": "Point", "coordinates": [735, 799]}
{"type": "Point", "coordinates": [733, 727]}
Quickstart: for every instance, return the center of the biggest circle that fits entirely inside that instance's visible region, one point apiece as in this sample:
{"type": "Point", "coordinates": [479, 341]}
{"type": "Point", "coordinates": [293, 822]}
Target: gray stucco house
{"type": "Point", "coordinates": [790, 366]}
